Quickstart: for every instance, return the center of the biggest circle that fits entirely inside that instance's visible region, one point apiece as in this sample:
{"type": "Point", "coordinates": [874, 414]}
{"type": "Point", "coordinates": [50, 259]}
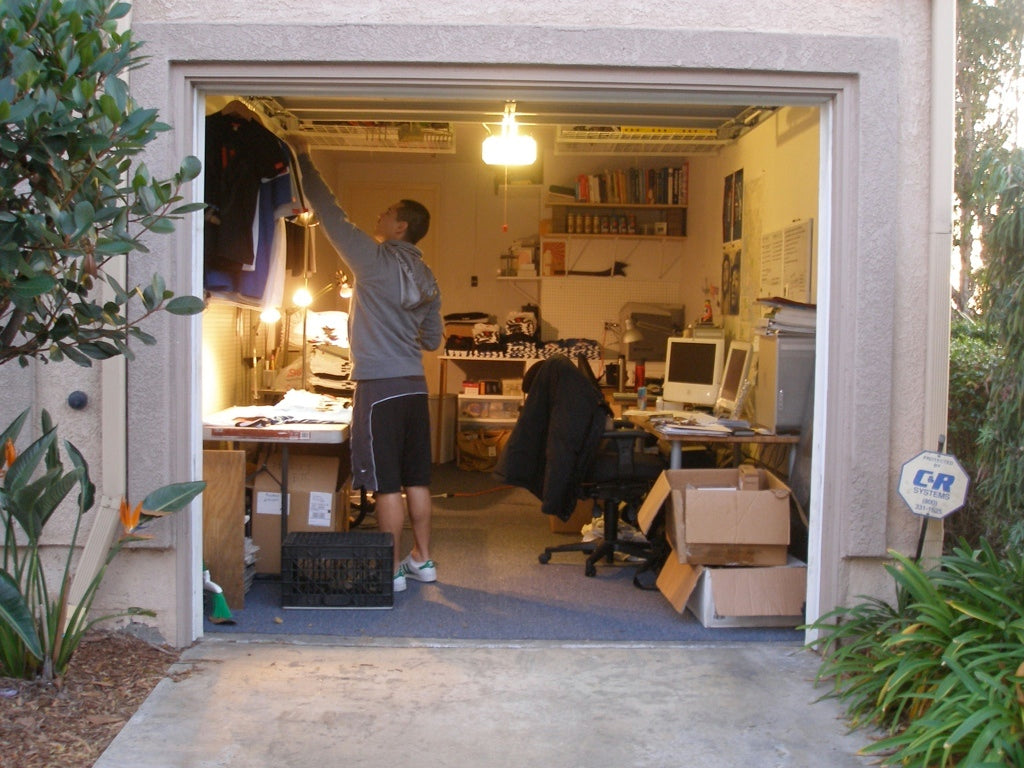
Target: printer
{"type": "Point", "coordinates": [656, 322]}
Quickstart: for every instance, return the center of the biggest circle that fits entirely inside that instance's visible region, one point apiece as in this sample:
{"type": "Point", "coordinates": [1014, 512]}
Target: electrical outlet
{"type": "Point", "coordinates": [473, 281]}
{"type": "Point", "coordinates": [611, 325]}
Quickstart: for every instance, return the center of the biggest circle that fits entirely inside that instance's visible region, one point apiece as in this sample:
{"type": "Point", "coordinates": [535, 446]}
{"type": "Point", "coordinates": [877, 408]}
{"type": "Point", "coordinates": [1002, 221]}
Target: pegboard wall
{"type": "Point", "coordinates": [577, 307]}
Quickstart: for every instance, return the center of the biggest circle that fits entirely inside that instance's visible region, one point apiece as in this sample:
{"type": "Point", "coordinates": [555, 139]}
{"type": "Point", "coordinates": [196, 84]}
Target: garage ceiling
{"type": "Point", "coordinates": [592, 122]}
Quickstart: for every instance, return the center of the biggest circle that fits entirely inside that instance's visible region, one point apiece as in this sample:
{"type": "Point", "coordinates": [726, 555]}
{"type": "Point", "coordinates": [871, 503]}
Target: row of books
{"type": "Point", "coordinates": [636, 186]}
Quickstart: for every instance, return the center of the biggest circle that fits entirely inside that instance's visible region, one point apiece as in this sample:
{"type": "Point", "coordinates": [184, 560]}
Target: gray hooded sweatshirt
{"type": "Point", "coordinates": [395, 311]}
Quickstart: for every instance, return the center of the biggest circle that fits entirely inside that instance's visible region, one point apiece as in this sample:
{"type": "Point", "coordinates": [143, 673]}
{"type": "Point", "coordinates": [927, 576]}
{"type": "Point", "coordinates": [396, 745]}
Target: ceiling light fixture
{"type": "Point", "coordinates": [509, 147]}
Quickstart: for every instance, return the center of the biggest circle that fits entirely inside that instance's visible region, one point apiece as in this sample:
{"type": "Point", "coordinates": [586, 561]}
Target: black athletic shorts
{"type": "Point", "coordinates": [390, 436]}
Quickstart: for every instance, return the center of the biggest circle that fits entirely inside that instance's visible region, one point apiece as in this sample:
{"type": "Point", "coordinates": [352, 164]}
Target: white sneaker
{"type": "Point", "coordinates": [419, 571]}
{"type": "Point", "coordinates": [399, 583]}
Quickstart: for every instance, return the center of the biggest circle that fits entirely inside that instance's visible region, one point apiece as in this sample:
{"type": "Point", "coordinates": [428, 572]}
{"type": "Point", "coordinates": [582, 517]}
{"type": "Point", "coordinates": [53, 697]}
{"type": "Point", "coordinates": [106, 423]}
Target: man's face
{"type": "Point", "coordinates": [388, 226]}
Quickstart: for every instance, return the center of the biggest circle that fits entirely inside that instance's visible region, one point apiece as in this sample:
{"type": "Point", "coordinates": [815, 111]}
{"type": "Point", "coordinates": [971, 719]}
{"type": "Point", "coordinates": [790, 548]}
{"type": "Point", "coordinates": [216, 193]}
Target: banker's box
{"type": "Point", "coordinates": [772, 596]}
{"type": "Point", "coordinates": [314, 504]}
{"type": "Point", "coordinates": [716, 517]}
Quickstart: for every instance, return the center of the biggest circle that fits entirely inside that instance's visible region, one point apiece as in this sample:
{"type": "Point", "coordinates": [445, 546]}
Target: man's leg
{"type": "Point", "coordinates": [391, 519]}
{"type": "Point", "coordinates": [420, 511]}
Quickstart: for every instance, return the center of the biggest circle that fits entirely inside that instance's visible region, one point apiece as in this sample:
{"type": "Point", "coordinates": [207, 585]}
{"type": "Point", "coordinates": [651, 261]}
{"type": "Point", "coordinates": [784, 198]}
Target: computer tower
{"type": "Point", "coordinates": [785, 381]}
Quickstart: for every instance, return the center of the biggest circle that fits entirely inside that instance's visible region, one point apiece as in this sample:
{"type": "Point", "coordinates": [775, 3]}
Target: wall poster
{"type": "Point", "coordinates": [732, 236]}
{"type": "Point", "coordinates": [786, 262]}
{"type": "Point", "coordinates": [732, 207]}
{"type": "Point", "coordinates": [732, 254]}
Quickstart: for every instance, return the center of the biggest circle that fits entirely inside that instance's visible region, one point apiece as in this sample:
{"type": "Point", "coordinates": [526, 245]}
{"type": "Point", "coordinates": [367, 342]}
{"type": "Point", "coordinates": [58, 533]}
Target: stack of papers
{"type": "Point", "coordinates": [790, 317]}
{"type": "Point", "coordinates": [677, 426]}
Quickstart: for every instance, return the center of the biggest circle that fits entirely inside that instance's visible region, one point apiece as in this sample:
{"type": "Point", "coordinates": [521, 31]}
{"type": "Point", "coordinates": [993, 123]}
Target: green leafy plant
{"type": "Point", "coordinates": [941, 672]}
{"type": "Point", "coordinates": [39, 629]}
{"type": "Point", "coordinates": [974, 355]}
{"type": "Point", "coordinates": [1001, 440]}
{"type": "Point", "coordinates": [75, 204]}
{"type": "Point", "coordinates": [72, 196]}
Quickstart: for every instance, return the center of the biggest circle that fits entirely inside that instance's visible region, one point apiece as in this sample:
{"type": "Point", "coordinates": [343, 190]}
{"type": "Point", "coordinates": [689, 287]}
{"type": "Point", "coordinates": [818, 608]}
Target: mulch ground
{"type": "Point", "coordinates": [70, 723]}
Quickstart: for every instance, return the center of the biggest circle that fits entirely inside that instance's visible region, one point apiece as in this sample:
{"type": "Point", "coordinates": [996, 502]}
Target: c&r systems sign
{"type": "Point", "coordinates": [933, 484]}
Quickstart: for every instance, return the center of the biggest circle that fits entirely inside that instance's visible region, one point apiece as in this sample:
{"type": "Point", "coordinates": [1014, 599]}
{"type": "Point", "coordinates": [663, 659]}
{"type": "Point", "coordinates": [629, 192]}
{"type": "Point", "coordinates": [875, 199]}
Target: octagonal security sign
{"type": "Point", "coordinates": [933, 484]}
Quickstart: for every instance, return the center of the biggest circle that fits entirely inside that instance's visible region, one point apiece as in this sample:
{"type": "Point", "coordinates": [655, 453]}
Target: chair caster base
{"type": "Point", "coordinates": [544, 557]}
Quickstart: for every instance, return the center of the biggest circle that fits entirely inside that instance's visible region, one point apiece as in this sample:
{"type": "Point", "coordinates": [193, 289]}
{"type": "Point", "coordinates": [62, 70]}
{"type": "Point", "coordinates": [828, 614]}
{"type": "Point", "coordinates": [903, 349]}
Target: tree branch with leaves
{"type": "Point", "coordinates": [73, 194]}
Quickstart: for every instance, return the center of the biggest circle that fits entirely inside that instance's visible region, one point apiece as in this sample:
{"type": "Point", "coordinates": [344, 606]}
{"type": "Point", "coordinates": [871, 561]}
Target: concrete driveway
{"type": "Point", "coordinates": [318, 702]}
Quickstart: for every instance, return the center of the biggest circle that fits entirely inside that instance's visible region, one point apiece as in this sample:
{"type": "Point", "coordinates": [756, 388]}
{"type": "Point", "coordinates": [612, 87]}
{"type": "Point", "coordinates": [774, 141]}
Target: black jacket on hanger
{"type": "Point", "coordinates": [239, 154]}
{"type": "Point", "coordinates": [554, 442]}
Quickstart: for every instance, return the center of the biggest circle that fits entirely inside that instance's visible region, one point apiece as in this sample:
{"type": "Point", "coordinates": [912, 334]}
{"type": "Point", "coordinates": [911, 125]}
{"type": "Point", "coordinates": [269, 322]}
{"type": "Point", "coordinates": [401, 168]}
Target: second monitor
{"type": "Point", "coordinates": [734, 376]}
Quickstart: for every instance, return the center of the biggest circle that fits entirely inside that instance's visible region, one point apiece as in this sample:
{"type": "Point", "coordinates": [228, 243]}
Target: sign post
{"type": "Point", "coordinates": [933, 485]}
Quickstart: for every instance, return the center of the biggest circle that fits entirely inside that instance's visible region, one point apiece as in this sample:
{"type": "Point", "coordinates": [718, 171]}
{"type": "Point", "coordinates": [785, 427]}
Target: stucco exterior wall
{"type": "Point", "coordinates": [873, 56]}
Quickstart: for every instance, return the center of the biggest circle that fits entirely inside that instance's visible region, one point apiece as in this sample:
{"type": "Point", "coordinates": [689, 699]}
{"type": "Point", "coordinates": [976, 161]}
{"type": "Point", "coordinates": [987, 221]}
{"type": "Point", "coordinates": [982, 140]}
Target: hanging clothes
{"type": "Point", "coordinates": [249, 188]}
{"type": "Point", "coordinates": [239, 154]}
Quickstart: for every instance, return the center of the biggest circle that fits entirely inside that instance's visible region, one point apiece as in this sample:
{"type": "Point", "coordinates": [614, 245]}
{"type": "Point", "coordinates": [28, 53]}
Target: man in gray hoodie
{"type": "Point", "coordinates": [395, 314]}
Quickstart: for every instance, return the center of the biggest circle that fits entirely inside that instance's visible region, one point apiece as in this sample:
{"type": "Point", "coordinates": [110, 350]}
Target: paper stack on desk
{"type": "Point", "coordinates": [671, 428]}
{"type": "Point", "coordinates": [684, 426]}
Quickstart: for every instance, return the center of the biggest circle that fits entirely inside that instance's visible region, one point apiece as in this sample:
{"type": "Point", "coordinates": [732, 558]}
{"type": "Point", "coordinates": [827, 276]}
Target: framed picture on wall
{"type": "Point", "coordinates": [731, 271]}
{"type": "Point", "coordinates": [727, 211]}
{"type": "Point", "coordinates": [732, 207]}
{"type": "Point", "coordinates": [734, 283]}
{"type": "Point", "coordinates": [737, 205]}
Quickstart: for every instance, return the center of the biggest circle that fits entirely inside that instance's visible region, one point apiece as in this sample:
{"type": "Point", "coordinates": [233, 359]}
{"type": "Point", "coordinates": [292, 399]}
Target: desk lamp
{"type": "Point", "coordinates": [628, 335]}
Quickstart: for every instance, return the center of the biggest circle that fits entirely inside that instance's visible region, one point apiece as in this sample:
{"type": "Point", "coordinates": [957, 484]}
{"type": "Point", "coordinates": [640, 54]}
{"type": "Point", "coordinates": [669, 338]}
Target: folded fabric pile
{"type": "Point", "coordinates": [572, 348]}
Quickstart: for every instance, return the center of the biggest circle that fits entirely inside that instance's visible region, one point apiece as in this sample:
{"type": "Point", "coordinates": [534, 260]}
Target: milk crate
{"type": "Point", "coordinates": [353, 569]}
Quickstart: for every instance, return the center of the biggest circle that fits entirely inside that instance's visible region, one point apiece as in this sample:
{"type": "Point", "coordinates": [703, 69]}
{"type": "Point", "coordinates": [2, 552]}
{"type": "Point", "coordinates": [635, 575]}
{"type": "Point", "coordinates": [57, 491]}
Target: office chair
{"type": "Point", "coordinates": [618, 481]}
{"type": "Point", "coordinates": [566, 447]}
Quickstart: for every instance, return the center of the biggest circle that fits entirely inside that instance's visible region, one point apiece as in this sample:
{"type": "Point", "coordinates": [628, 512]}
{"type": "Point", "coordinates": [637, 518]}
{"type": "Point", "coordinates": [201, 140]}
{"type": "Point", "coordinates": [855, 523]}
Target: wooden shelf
{"type": "Point", "coordinates": [555, 202]}
{"type": "Point", "coordinates": [608, 219]}
{"type": "Point", "coordinates": [601, 236]}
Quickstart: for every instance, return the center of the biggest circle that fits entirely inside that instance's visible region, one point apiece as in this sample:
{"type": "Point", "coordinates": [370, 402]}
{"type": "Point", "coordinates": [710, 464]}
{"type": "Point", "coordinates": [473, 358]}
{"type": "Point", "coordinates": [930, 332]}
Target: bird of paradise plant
{"type": "Point", "coordinates": [39, 628]}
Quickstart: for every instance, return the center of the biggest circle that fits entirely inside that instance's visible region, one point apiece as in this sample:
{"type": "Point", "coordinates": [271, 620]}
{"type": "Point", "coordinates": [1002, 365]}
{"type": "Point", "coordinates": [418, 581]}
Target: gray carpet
{"type": "Point", "coordinates": [491, 586]}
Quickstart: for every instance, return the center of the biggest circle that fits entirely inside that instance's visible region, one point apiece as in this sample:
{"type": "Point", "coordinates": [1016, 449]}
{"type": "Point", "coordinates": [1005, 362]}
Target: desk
{"type": "Point", "coordinates": [677, 441]}
{"type": "Point", "coordinates": [221, 426]}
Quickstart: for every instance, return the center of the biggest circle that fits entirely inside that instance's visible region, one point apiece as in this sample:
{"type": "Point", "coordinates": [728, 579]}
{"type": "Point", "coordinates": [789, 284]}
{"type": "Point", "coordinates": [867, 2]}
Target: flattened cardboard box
{"type": "Point", "coordinates": [582, 514]}
{"type": "Point", "coordinates": [711, 521]}
{"type": "Point", "coordinates": [771, 596]}
{"type": "Point", "coordinates": [313, 504]}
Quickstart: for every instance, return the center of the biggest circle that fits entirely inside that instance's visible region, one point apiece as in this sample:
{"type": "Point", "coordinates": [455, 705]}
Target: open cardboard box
{"type": "Point", "coordinates": [772, 596]}
{"type": "Point", "coordinates": [313, 503]}
{"type": "Point", "coordinates": [714, 518]}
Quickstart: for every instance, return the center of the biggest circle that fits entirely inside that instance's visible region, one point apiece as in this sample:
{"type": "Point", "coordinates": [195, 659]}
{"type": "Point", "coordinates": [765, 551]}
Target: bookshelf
{"type": "Point", "coordinates": [632, 202]}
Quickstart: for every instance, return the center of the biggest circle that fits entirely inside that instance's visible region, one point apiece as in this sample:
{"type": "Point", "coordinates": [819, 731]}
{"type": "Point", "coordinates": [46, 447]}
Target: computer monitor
{"type": "Point", "coordinates": [693, 370]}
{"type": "Point", "coordinates": [737, 366]}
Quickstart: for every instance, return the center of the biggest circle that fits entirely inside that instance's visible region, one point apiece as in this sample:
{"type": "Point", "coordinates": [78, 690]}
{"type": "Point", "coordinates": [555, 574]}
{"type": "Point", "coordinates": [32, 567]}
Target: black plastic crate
{"type": "Point", "coordinates": [337, 570]}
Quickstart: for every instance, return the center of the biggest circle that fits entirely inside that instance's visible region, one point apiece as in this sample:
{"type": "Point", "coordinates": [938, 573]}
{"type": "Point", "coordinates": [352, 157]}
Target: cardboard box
{"type": "Point", "coordinates": [710, 521]}
{"type": "Point", "coordinates": [581, 515]}
{"type": "Point", "coordinates": [772, 596]}
{"type": "Point", "coordinates": [750, 477]}
{"type": "Point", "coordinates": [442, 419]}
{"type": "Point", "coordinates": [512, 387]}
{"type": "Point", "coordinates": [313, 504]}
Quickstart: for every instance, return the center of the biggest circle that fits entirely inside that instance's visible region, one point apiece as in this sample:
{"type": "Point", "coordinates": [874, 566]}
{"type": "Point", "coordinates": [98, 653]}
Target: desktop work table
{"type": "Point", "coordinates": [306, 419]}
{"type": "Point", "coordinates": [677, 438]}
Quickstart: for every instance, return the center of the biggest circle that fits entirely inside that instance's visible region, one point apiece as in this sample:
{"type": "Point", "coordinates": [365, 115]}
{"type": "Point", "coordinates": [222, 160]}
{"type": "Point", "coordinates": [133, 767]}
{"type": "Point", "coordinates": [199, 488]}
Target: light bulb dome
{"type": "Point", "coordinates": [302, 297]}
